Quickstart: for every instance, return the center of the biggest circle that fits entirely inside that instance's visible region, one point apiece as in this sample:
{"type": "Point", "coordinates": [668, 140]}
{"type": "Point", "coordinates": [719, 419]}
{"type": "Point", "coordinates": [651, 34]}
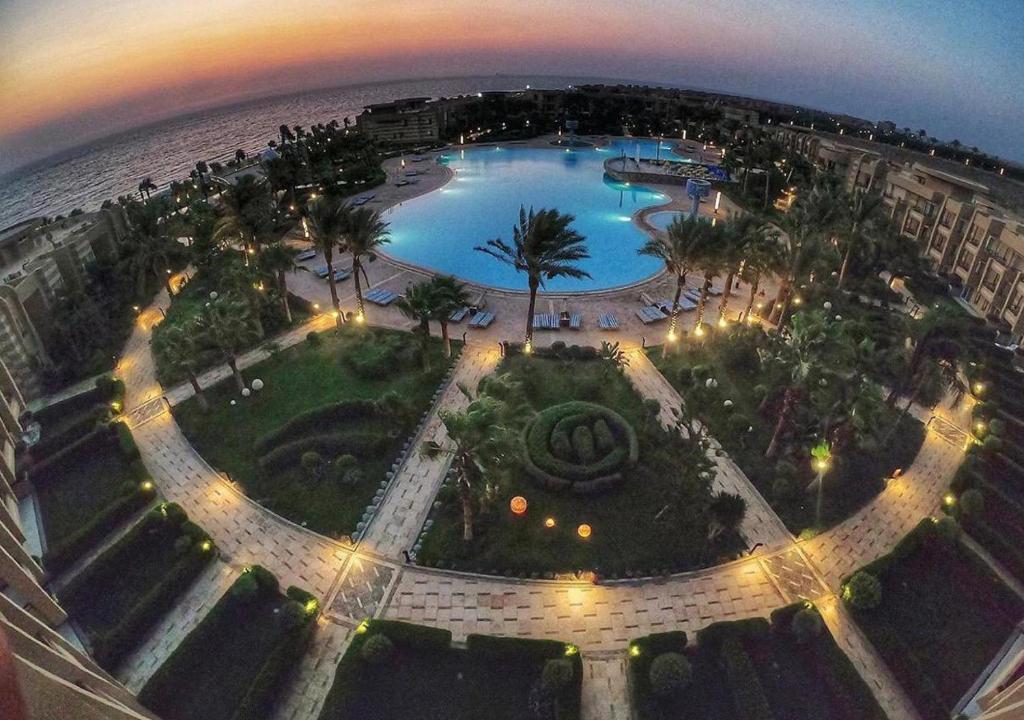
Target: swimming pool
{"type": "Point", "coordinates": [438, 230]}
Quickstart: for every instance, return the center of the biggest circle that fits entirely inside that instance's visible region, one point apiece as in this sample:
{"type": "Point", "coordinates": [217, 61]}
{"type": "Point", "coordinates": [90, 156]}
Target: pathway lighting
{"type": "Point", "coordinates": [549, 522]}
{"type": "Point", "coordinates": [518, 505]}
{"type": "Point", "coordinates": [584, 531]}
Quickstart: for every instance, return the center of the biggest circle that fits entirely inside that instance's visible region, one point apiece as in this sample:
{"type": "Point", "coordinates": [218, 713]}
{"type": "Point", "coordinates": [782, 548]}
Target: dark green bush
{"type": "Point", "coordinates": [604, 440]}
{"type": "Point", "coordinates": [863, 591]}
{"type": "Point", "coordinates": [583, 444]}
{"type": "Point", "coordinates": [750, 700]}
{"type": "Point", "coordinates": [377, 649]}
{"type": "Point", "coordinates": [266, 579]}
{"type": "Point", "coordinates": [245, 588]}
{"type": "Point", "coordinates": [669, 673]}
{"type": "Point", "coordinates": [312, 421]}
{"type": "Point", "coordinates": [561, 448]}
{"type": "Point", "coordinates": [972, 502]}
{"type": "Point", "coordinates": [360, 444]}
{"type": "Point", "coordinates": [313, 339]}
{"type": "Point", "coordinates": [807, 625]}
{"type": "Point", "coordinates": [556, 675]}
{"type": "Point", "coordinates": [174, 513]}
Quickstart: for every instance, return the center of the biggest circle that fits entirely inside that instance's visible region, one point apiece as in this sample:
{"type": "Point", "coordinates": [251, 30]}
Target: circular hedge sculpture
{"type": "Point", "coordinates": [579, 446]}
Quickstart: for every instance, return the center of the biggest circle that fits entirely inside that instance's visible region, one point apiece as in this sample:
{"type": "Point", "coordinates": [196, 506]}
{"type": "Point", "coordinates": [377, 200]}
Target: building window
{"type": "Point", "coordinates": [991, 279]}
{"type": "Point", "coordinates": [965, 260]}
{"type": "Point", "coordinates": [911, 226]}
{"type": "Point", "coordinates": [1015, 302]}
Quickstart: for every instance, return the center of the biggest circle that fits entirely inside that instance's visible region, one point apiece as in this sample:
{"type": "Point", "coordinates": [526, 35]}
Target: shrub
{"type": "Point", "coordinates": [785, 487]}
{"type": "Point", "coordinates": [311, 462]}
{"type": "Point", "coordinates": [315, 420]}
{"type": "Point", "coordinates": [126, 442]}
{"type": "Point", "coordinates": [807, 625]}
{"type": "Point", "coordinates": [604, 440]}
{"type": "Point", "coordinates": [652, 406]}
{"type": "Point", "coordinates": [313, 339]}
{"type": "Point", "coordinates": [583, 444]}
{"type": "Point", "coordinates": [947, 529]}
{"type": "Point", "coordinates": [345, 461]}
{"type": "Point", "coordinates": [684, 376]}
{"type": "Point", "coordinates": [175, 514]}
{"type": "Point", "coordinates": [972, 502]}
{"type": "Point", "coordinates": [182, 544]}
{"type": "Point", "coordinates": [561, 448]}
{"type": "Point", "coordinates": [670, 672]}
{"type": "Point", "coordinates": [751, 703]}
{"type": "Point", "coordinates": [863, 591]}
{"type": "Point", "coordinates": [737, 424]}
{"type": "Point", "coordinates": [245, 588]}
{"type": "Point", "coordinates": [266, 579]}
{"type": "Point", "coordinates": [728, 510]}
{"type": "Point", "coordinates": [360, 444]}
{"type": "Point", "coordinates": [557, 674]}
{"type": "Point", "coordinates": [377, 649]}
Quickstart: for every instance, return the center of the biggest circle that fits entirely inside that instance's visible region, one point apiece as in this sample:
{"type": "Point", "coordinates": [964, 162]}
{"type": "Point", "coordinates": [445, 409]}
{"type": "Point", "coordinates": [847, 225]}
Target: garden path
{"type": "Point", "coordinates": [599, 618]}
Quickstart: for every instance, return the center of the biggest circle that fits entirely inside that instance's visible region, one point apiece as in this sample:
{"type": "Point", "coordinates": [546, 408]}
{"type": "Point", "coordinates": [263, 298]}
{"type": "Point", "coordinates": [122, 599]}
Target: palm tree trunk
{"type": "Point", "coordinates": [723, 306]}
{"type": "Point", "coordinates": [845, 265]}
{"type": "Point", "coordinates": [283, 284]}
{"type": "Point", "coordinates": [781, 301]}
{"type": "Point", "coordinates": [534, 284]}
{"type": "Point", "coordinates": [767, 186]}
{"type": "Point", "coordinates": [445, 340]}
{"type": "Point", "coordinates": [703, 299]}
{"type": "Point", "coordinates": [200, 397]}
{"type": "Point", "coordinates": [750, 302]}
{"type": "Point", "coordinates": [467, 513]}
{"type": "Point", "coordinates": [425, 342]}
{"type": "Point", "coordinates": [788, 402]}
{"type": "Point", "coordinates": [356, 268]}
{"type": "Point", "coordinates": [674, 322]}
{"type": "Point", "coordinates": [329, 260]}
{"type": "Point", "coordinates": [239, 380]}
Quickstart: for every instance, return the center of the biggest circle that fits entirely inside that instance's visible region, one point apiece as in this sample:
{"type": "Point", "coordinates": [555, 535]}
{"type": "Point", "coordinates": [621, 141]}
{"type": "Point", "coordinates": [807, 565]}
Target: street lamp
{"type": "Point", "coordinates": [821, 460]}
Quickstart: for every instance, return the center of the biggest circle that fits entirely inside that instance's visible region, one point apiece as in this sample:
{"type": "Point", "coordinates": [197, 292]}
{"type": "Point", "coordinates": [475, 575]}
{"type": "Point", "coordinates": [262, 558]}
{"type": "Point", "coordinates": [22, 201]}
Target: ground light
{"type": "Point", "coordinates": [634, 651]}
{"type": "Point", "coordinates": [584, 531]}
{"type": "Point", "coordinates": [518, 505]}
{"type": "Point", "coordinates": [549, 522]}
{"type": "Point", "coordinates": [822, 461]}
{"type": "Point", "coordinates": [949, 500]}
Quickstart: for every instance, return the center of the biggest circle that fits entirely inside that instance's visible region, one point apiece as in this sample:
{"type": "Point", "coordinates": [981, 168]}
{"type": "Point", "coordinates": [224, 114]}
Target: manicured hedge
{"type": "Point", "coordinates": [316, 419]}
{"type": "Point", "coordinates": [561, 449]}
{"type": "Point", "coordinates": [89, 422]}
{"type": "Point", "coordinates": [111, 647]}
{"type": "Point", "coordinates": [751, 703]}
{"type": "Point", "coordinates": [330, 445]}
{"type": "Point", "coordinates": [200, 647]}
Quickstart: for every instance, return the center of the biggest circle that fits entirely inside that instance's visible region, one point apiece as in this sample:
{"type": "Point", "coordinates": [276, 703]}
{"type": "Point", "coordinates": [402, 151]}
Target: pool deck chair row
{"type": "Point", "coordinates": [608, 322]}
{"type": "Point", "coordinates": [552, 321]}
{"type": "Point", "coordinates": [380, 296]}
{"type": "Point", "coordinates": [481, 320]}
{"type": "Point", "coordinates": [650, 314]}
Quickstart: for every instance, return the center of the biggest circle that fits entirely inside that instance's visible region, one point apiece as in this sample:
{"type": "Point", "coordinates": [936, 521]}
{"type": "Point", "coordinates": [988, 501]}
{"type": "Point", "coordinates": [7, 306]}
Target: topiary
{"type": "Point", "coordinates": [245, 588]}
{"type": "Point", "coordinates": [311, 461]}
{"type": "Point", "coordinates": [972, 502]}
{"type": "Point", "coordinates": [377, 649]}
{"type": "Point", "coordinates": [266, 579]}
{"type": "Point", "coordinates": [293, 614]}
{"type": "Point", "coordinates": [175, 514]}
{"type": "Point", "coordinates": [557, 675]}
{"type": "Point", "coordinates": [807, 625]}
{"type": "Point", "coordinates": [728, 510]}
{"type": "Point", "coordinates": [669, 673]}
{"type": "Point", "coordinates": [182, 544]}
{"type": "Point", "coordinates": [583, 444]}
{"type": "Point", "coordinates": [561, 448]}
{"type": "Point", "coordinates": [947, 529]}
{"type": "Point", "coordinates": [313, 339]}
{"type": "Point", "coordinates": [863, 591]}
{"type": "Point", "coordinates": [344, 462]}
{"type": "Point", "coordinates": [684, 376]}
{"type": "Point", "coordinates": [604, 440]}
{"type": "Point", "coordinates": [652, 406]}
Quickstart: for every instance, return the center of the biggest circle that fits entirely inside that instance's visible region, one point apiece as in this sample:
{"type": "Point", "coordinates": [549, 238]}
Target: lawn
{"type": "Point", "coordinates": [235, 662]}
{"type": "Point", "coordinates": [745, 430]}
{"type": "Point", "coordinates": [943, 616]}
{"type": "Point", "coordinates": [85, 490]}
{"type": "Point", "coordinates": [118, 598]}
{"type": "Point", "coordinates": [654, 521]}
{"type": "Point", "coordinates": [356, 364]}
{"type": "Point", "coordinates": [741, 668]}
{"type": "Point", "coordinates": [425, 678]}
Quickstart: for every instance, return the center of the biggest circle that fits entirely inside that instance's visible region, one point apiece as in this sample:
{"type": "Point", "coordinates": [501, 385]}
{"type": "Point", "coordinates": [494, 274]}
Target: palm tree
{"type": "Point", "coordinates": [239, 156]}
{"type": "Point", "coordinates": [364, 233]}
{"type": "Point", "coordinates": [146, 187]}
{"type": "Point", "coordinates": [227, 324]}
{"type": "Point", "coordinates": [863, 215]}
{"type": "Point", "coordinates": [451, 296]}
{"type": "Point", "coordinates": [544, 247]}
{"type": "Point", "coordinates": [712, 256]}
{"type": "Point", "coordinates": [763, 257]}
{"type": "Point", "coordinates": [151, 248]}
{"type": "Point", "coordinates": [421, 303]}
{"type": "Point", "coordinates": [678, 250]}
{"type": "Point", "coordinates": [278, 260]}
{"type": "Point", "coordinates": [740, 235]}
{"type": "Point", "coordinates": [201, 170]}
{"type": "Point", "coordinates": [327, 218]}
{"type": "Point", "coordinates": [932, 348]}
{"type": "Point", "coordinates": [246, 214]}
{"type": "Point", "coordinates": [180, 346]}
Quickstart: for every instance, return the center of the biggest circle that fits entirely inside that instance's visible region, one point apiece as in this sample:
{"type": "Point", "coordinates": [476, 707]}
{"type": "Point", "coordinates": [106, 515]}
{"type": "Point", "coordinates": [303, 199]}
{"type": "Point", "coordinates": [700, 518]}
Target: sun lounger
{"type": "Point", "coordinates": [545, 321]}
{"type": "Point", "coordinates": [607, 322]}
{"type": "Point", "coordinates": [481, 320]}
{"type": "Point", "coordinates": [685, 304]}
{"type": "Point", "coordinates": [575, 321]}
{"type": "Point", "coordinates": [340, 275]}
{"type": "Point", "coordinates": [305, 255]}
{"type": "Point", "coordinates": [646, 299]}
{"type": "Point", "coordinates": [459, 315]}
{"type": "Point", "coordinates": [650, 315]}
{"type": "Point", "coordinates": [381, 297]}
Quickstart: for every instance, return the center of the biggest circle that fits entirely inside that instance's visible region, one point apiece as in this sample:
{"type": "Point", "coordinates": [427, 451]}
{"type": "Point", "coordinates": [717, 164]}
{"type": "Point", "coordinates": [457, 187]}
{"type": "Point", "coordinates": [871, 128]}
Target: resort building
{"type": "Point", "coordinates": [39, 261]}
{"type": "Point", "coordinates": [56, 677]}
{"type": "Point", "coordinates": [411, 121]}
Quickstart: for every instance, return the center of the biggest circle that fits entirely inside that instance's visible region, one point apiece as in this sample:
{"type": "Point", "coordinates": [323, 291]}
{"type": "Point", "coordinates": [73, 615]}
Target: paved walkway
{"type": "Point", "coordinates": [371, 580]}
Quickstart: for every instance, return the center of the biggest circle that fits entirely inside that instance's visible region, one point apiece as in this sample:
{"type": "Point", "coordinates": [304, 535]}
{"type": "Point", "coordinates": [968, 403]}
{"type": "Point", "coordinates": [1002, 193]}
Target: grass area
{"type": "Point", "coordinates": [654, 521]}
{"type": "Point", "coordinates": [746, 668]}
{"type": "Point", "coordinates": [943, 616]}
{"type": "Point", "coordinates": [85, 490]}
{"type": "Point", "coordinates": [121, 595]}
{"type": "Point", "coordinates": [234, 664]}
{"type": "Point", "coordinates": [362, 363]}
{"type": "Point", "coordinates": [745, 430]}
{"type": "Point", "coordinates": [425, 678]}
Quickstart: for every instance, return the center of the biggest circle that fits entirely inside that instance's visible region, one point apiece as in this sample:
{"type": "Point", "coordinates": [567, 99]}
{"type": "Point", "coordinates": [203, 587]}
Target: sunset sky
{"type": "Point", "coordinates": [74, 70]}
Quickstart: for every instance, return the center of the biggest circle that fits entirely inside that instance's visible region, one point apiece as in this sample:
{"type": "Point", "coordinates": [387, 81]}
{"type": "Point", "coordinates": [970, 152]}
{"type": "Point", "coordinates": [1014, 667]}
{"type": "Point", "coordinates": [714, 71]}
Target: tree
{"type": "Point", "coordinates": [239, 156]}
{"type": "Point", "coordinates": [678, 249]}
{"type": "Point", "coordinates": [227, 324]}
{"type": "Point", "coordinates": [150, 248]}
{"type": "Point", "coordinates": [278, 260]}
{"type": "Point", "coordinates": [181, 348]}
{"type": "Point", "coordinates": [712, 256]}
{"type": "Point", "coordinates": [764, 256]}
{"type": "Point", "coordinates": [450, 295]}
{"type": "Point", "coordinates": [364, 233]}
{"type": "Point", "coordinates": [146, 187]}
{"type": "Point", "coordinates": [327, 218]}
{"type": "Point", "coordinates": [201, 170]}
{"type": "Point", "coordinates": [863, 591]}
{"type": "Point", "coordinates": [544, 247]}
{"type": "Point", "coordinates": [864, 220]}
{"type": "Point", "coordinates": [420, 303]}
{"type": "Point", "coordinates": [669, 673]}
{"type": "Point", "coordinates": [246, 216]}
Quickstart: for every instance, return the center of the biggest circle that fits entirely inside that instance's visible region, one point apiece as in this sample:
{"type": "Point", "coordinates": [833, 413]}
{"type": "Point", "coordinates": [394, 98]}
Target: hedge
{"type": "Point", "coordinates": [110, 648]}
{"type": "Point", "coordinates": [639, 663]}
{"type": "Point", "coordinates": [265, 687]}
{"type": "Point", "coordinates": [316, 419]}
{"type": "Point", "coordinates": [750, 700]}
{"type": "Point", "coordinates": [329, 444]}
{"type": "Point", "coordinates": [87, 424]}
{"type": "Point", "coordinates": [543, 439]}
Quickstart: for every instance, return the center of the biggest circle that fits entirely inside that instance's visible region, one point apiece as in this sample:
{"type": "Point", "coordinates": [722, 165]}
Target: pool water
{"type": "Point", "coordinates": [648, 149]}
{"type": "Point", "coordinates": [439, 230]}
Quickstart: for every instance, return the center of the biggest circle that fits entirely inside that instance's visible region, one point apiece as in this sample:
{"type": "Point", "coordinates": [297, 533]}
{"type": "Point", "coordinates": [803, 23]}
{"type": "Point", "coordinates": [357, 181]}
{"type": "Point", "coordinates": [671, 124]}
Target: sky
{"type": "Point", "coordinates": [75, 70]}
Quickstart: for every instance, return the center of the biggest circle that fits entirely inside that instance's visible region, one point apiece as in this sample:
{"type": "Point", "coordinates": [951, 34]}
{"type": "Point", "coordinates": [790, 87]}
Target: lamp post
{"type": "Point", "coordinates": [821, 461]}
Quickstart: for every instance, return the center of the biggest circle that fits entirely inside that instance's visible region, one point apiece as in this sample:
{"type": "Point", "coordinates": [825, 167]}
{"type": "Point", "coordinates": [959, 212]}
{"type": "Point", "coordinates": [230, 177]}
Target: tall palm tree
{"type": "Point", "coordinates": [678, 249]}
{"type": "Point", "coordinates": [181, 347]}
{"type": "Point", "coordinates": [327, 218]}
{"type": "Point", "coordinates": [246, 214]}
{"type": "Point", "coordinates": [150, 246]}
{"type": "Point", "coordinates": [740, 235]}
{"type": "Point", "coordinates": [421, 303]}
{"type": "Point", "coordinates": [712, 256]}
{"type": "Point", "coordinates": [364, 233]}
{"type": "Point", "coordinates": [544, 247]}
{"type": "Point", "coordinates": [278, 260]}
{"type": "Point", "coordinates": [863, 216]}
{"type": "Point", "coordinates": [451, 295]}
{"type": "Point", "coordinates": [227, 325]}
{"type": "Point", "coordinates": [763, 257]}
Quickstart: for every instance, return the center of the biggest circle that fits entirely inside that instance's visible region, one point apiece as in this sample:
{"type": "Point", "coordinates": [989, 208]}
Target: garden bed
{"type": "Point", "coordinates": [653, 519]}
{"type": "Point", "coordinates": [422, 677]}
{"type": "Point", "coordinates": [753, 669]}
{"type": "Point", "coordinates": [86, 490]}
{"type": "Point", "coordinates": [942, 616]}
{"type": "Point", "coordinates": [122, 594]}
{"type": "Point", "coordinates": [68, 420]}
{"type": "Point", "coordinates": [260, 440]}
{"type": "Point", "coordinates": [234, 664]}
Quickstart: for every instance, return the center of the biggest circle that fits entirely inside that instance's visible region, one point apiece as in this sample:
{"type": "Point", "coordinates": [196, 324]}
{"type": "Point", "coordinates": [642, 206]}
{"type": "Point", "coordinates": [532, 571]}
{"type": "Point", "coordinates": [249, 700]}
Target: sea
{"type": "Point", "coordinates": [86, 176]}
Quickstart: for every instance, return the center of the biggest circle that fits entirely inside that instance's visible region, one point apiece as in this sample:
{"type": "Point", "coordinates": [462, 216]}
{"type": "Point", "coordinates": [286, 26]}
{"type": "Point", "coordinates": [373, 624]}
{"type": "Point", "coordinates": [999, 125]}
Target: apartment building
{"type": "Point", "coordinates": [38, 262]}
{"type": "Point", "coordinates": [56, 679]}
{"type": "Point", "coordinates": [410, 121]}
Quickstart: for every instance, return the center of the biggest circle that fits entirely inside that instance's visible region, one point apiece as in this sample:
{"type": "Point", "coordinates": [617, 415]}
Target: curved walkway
{"type": "Point", "coordinates": [371, 579]}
